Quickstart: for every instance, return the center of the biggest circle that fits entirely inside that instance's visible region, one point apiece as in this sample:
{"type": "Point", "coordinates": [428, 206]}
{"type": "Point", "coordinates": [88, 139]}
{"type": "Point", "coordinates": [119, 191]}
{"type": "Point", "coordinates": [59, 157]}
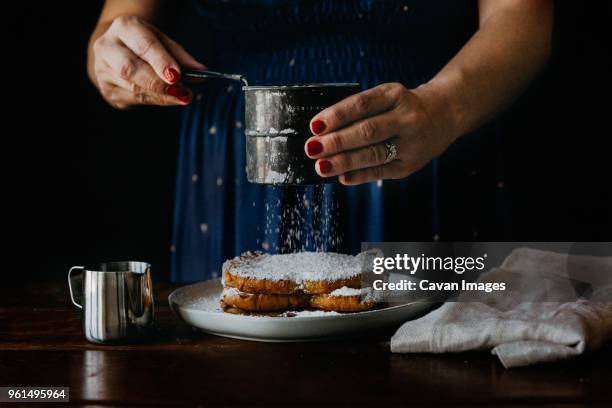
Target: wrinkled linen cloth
{"type": "Point", "coordinates": [554, 323]}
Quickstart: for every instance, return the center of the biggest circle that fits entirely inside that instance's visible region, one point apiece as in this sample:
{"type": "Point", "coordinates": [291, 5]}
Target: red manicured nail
{"type": "Point", "coordinates": [185, 96]}
{"type": "Point", "coordinates": [318, 126]}
{"type": "Point", "coordinates": [314, 147]}
{"type": "Point", "coordinates": [174, 90]}
{"type": "Point", "coordinates": [171, 74]}
{"type": "Point", "coordinates": [325, 166]}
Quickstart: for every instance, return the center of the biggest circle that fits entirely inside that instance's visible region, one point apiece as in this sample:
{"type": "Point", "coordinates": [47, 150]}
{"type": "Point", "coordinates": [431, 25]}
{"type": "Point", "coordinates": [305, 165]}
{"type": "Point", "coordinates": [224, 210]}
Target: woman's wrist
{"type": "Point", "coordinates": [441, 108]}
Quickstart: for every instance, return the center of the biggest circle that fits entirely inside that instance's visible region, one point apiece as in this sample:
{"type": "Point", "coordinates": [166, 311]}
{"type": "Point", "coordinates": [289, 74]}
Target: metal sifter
{"type": "Point", "coordinates": [277, 124]}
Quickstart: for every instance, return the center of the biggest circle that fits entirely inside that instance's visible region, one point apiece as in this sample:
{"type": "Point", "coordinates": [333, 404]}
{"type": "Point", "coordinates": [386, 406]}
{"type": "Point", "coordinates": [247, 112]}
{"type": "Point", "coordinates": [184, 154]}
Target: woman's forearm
{"type": "Point", "coordinates": [146, 9]}
{"type": "Point", "coordinates": [511, 46]}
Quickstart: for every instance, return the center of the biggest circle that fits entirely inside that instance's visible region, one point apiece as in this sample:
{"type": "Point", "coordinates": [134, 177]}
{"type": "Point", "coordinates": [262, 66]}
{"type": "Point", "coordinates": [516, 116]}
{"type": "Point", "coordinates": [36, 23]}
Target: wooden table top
{"type": "Point", "coordinates": [42, 344]}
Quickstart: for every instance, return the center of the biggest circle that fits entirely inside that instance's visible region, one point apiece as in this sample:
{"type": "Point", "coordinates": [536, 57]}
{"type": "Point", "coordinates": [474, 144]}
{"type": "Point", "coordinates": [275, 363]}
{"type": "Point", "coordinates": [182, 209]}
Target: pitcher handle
{"type": "Point", "coordinates": [70, 285]}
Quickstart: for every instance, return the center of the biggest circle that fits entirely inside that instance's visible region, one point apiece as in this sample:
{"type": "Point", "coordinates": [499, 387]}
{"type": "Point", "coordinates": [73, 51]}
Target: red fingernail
{"type": "Point", "coordinates": [185, 97]}
{"type": "Point", "coordinates": [314, 147]}
{"type": "Point", "coordinates": [318, 126]}
{"type": "Point", "coordinates": [325, 166]}
{"type": "Point", "coordinates": [171, 74]}
{"type": "Point", "coordinates": [174, 90]}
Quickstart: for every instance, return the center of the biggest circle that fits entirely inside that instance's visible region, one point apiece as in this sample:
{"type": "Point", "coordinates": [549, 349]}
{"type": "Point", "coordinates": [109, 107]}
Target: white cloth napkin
{"type": "Point", "coordinates": [522, 333]}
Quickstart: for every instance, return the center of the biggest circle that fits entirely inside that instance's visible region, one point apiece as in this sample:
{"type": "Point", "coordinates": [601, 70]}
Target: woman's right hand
{"type": "Point", "coordinates": [133, 63]}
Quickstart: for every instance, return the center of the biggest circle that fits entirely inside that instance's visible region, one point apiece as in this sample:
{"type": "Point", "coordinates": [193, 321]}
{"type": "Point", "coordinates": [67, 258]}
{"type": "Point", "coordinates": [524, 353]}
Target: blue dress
{"type": "Point", "coordinates": [218, 213]}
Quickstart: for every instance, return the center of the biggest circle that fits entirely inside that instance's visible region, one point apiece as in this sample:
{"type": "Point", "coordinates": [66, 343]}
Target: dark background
{"type": "Point", "coordinates": [89, 183]}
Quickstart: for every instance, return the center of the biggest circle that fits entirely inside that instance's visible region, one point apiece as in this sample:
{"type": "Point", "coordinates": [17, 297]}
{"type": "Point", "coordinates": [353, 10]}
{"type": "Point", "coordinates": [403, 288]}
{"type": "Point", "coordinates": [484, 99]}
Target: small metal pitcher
{"type": "Point", "coordinates": [117, 300]}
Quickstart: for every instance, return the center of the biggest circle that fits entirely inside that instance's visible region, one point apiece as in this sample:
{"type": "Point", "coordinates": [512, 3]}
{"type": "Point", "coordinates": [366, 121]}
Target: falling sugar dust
{"type": "Point", "coordinates": [302, 219]}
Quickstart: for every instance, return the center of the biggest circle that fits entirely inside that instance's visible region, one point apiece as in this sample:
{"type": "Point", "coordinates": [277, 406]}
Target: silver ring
{"type": "Point", "coordinates": [391, 151]}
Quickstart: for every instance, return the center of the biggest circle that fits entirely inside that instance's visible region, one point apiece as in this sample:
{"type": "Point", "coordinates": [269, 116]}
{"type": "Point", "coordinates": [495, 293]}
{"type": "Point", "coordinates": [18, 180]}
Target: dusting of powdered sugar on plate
{"type": "Point", "coordinates": [309, 313]}
{"type": "Point", "coordinates": [300, 266]}
{"type": "Point", "coordinates": [204, 303]}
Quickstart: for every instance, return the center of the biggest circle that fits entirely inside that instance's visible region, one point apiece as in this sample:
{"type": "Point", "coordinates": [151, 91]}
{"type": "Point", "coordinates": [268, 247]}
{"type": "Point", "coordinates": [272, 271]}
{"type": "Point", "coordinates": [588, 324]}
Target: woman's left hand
{"type": "Point", "coordinates": [350, 136]}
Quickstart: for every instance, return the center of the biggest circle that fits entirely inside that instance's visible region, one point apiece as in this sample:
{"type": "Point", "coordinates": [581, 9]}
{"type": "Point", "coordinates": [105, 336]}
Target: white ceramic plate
{"type": "Point", "coordinates": [198, 305]}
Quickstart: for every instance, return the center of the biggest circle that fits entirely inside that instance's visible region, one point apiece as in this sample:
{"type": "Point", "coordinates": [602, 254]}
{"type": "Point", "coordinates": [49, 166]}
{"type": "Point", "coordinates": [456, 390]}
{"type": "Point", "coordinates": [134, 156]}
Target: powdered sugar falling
{"type": "Point", "coordinates": [302, 219]}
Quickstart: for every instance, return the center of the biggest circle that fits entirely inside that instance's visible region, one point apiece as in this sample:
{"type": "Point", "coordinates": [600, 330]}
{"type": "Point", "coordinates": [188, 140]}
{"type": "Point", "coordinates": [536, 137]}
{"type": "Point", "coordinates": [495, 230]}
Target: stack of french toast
{"type": "Point", "coordinates": [258, 283]}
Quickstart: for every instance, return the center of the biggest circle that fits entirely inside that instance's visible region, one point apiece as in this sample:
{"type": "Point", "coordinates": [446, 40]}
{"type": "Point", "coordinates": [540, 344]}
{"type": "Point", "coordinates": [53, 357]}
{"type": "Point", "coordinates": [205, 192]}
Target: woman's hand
{"type": "Point", "coordinates": [350, 136]}
{"type": "Point", "coordinates": [489, 72]}
{"type": "Point", "coordinates": [133, 63]}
